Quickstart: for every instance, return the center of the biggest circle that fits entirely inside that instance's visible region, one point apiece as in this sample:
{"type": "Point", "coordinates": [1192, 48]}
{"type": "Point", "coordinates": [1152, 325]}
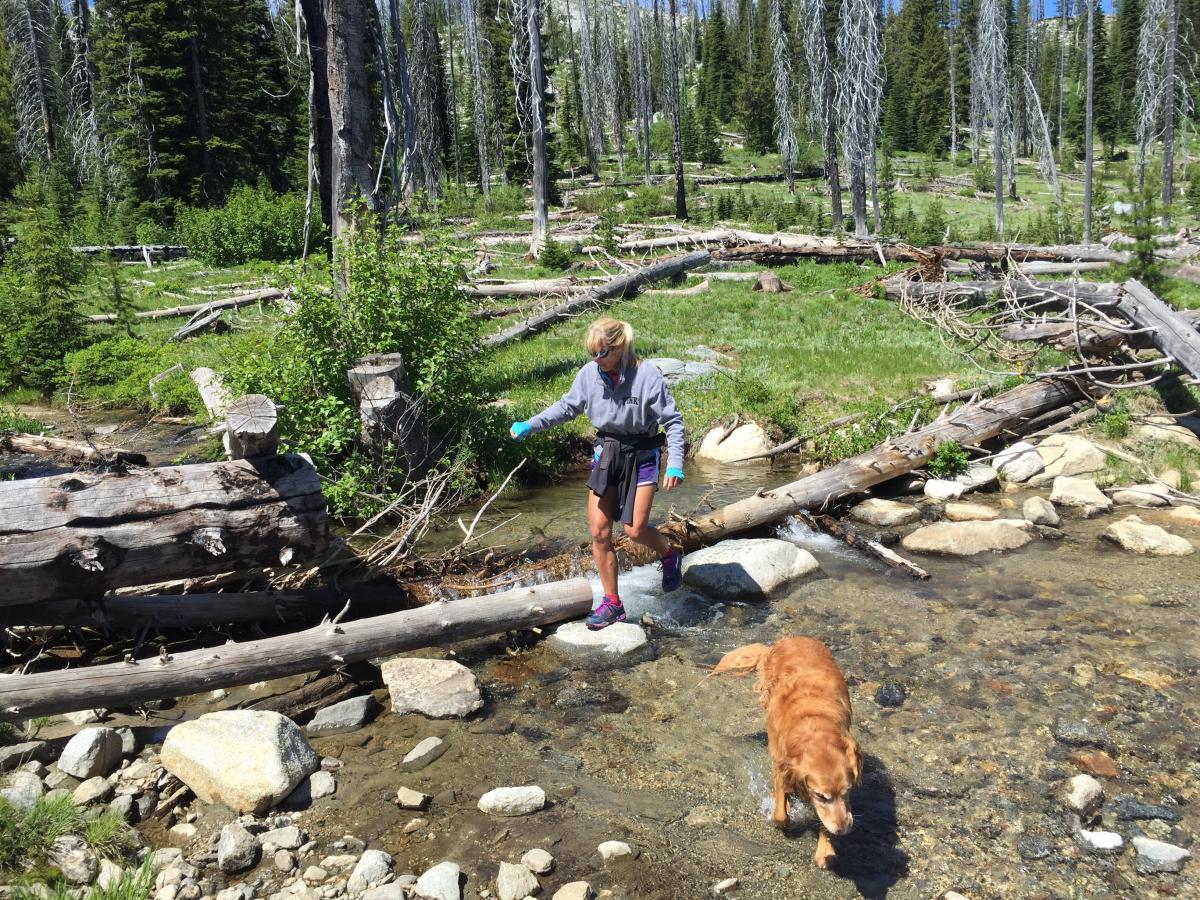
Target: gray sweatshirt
{"type": "Point", "coordinates": [639, 404]}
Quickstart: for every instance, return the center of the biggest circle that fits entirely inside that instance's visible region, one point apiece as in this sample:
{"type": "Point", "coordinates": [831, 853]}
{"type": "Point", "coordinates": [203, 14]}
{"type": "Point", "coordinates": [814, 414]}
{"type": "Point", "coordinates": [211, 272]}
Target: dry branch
{"type": "Point", "coordinates": [265, 295]}
{"type": "Point", "coordinates": [851, 538]}
{"type": "Point", "coordinates": [77, 452]}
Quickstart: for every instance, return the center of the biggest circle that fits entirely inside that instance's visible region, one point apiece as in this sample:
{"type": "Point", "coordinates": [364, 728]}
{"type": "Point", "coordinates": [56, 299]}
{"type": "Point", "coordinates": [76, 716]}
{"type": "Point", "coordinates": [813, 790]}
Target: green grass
{"type": "Point", "coordinates": [11, 420]}
{"type": "Point", "coordinates": [26, 837]}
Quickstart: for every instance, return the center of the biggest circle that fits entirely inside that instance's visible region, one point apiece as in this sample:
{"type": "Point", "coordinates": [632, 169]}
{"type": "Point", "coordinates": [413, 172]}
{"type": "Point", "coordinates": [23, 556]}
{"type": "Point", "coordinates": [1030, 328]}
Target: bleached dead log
{"type": "Point", "coordinates": [251, 427]}
{"type": "Point", "coordinates": [693, 291]}
{"type": "Point", "coordinates": [1167, 330]}
{"type": "Point", "coordinates": [81, 534]}
{"type": "Point", "coordinates": [198, 324]}
{"type": "Point", "coordinates": [323, 647]}
{"type": "Point", "coordinates": [135, 252]}
{"type": "Point", "coordinates": [533, 288]}
{"type": "Point", "coordinates": [617, 288]}
{"type": "Point", "coordinates": [388, 410]}
{"type": "Point", "coordinates": [1092, 335]}
{"type": "Point", "coordinates": [1033, 268]}
{"type": "Point", "coordinates": [77, 452]}
{"type": "Point", "coordinates": [265, 295]}
{"type": "Point", "coordinates": [1052, 294]}
{"type": "Point", "coordinates": [213, 393]}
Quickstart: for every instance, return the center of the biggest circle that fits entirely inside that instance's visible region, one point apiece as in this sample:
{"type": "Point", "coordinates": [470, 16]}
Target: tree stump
{"type": "Point", "coordinates": [251, 428]}
{"type": "Point", "coordinates": [391, 417]}
{"type": "Point", "coordinates": [770, 283]}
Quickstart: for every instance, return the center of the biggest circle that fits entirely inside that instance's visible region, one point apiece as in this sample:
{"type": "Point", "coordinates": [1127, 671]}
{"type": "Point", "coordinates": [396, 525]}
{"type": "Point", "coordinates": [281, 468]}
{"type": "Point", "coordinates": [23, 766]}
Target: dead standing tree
{"type": "Point", "coordinates": [859, 91]}
{"type": "Point", "coordinates": [640, 65]}
{"type": "Point", "coordinates": [822, 110]}
{"type": "Point", "coordinates": [427, 96]}
{"type": "Point", "coordinates": [989, 81]}
{"type": "Point", "coordinates": [785, 131]}
{"type": "Point", "coordinates": [673, 100]}
{"type": "Point", "coordinates": [529, 78]}
{"type": "Point", "coordinates": [1089, 102]}
{"type": "Point", "coordinates": [29, 31]}
{"type": "Point", "coordinates": [1151, 86]}
{"type": "Point", "coordinates": [593, 132]}
{"type": "Point", "coordinates": [479, 96]}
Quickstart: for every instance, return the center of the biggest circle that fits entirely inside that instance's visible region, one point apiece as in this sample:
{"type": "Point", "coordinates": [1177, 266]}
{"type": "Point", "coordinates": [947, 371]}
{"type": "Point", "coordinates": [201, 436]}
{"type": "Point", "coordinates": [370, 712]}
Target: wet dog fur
{"type": "Point", "coordinates": [808, 731]}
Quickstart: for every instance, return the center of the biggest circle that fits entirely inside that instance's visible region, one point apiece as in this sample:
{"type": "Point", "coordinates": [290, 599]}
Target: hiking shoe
{"type": "Point", "coordinates": [605, 614]}
{"type": "Point", "coordinates": [672, 569]}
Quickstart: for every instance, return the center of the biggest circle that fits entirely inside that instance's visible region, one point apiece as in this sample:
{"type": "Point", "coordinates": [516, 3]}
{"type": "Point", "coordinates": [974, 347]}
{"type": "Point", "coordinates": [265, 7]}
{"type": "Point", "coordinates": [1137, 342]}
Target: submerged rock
{"type": "Point", "coordinates": [620, 643]}
{"type": "Point", "coordinates": [891, 695]}
{"type": "Point", "coordinates": [424, 753]}
{"type": "Point", "coordinates": [1136, 536]}
{"type": "Point", "coordinates": [1146, 496]}
{"type": "Point", "coordinates": [746, 569]}
{"type": "Point", "coordinates": [538, 861]}
{"type": "Point", "coordinates": [575, 890]}
{"type": "Point", "coordinates": [1083, 794]}
{"type": "Point", "coordinates": [885, 513]}
{"type": "Point", "coordinates": [1075, 733]}
{"type": "Point", "coordinates": [966, 538]}
{"type": "Point", "coordinates": [1040, 511]}
{"type": "Point", "coordinates": [1100, 843]}
{"type": "Point", "coordinates": [944, 489]}
{"type": "Point", "coordinates": [349, 715]}
{"type": "Point", "coordinates": [1129, 808]}
{"type": "Point", "coordinates": [248, 760]}
{"type": "Point", "coordinates": [1032, 847]}
{"type": "Point", "coordinates": [970, 512]}
{"type": "Point", "coordinates": [438, 688]}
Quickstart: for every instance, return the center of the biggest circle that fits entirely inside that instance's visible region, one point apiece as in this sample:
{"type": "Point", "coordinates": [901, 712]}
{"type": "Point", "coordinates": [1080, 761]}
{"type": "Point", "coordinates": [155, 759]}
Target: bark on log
{"type": "Point", "coordinates": [1093, 335]}
{"type": "Point", "coordinates": [326, 690]}
{"type": "Point", "coordinates": [1053, 294]}
{"type": "Point", "coordinates": [265, 295]}
{"type": "Point", "coordinates": [77, 452]}
{"type": "Point", "coordinates": [1034, 268]}
{"type": "Point", "coordinates": [389, 413]}
{"type": "Point", "coordinates": [322, 647]}
{"type": "Point", "coordinates": [251, 428]}
{"type": "Point", "coordinates": [81, 534]}
{"type": "Point", "coordinates": [851, 538]}
{"type": "Point", "coordinates": [619, 287]}
{"type": "Point", "coordinates": [970, 424]}
{"type": "Point", "coordinates": [1171, 333]}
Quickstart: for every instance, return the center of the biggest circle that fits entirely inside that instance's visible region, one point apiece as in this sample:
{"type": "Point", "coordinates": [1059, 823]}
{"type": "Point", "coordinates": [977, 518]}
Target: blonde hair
{"type": "Point", "coordinates": [615, 334]}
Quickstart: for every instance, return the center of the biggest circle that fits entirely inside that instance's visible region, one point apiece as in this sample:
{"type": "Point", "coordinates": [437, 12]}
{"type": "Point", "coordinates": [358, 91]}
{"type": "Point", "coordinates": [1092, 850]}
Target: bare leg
{"type": "Point", "coordinates": [780, 815]}
{"type": "Point", "coordinates": [825, 856]}
{"type": "Point", "coordinates": [600, 523]}
{"type": "Point", "coordinates": [639, 529]}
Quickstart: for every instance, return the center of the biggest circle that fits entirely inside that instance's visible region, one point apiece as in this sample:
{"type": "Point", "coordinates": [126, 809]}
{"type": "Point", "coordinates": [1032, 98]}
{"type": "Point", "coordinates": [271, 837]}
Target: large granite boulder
{"type": "Point", "coordinates": [749, 569]}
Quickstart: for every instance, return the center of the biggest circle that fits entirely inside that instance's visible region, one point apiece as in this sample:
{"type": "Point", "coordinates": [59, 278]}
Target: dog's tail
{"type": "Point", "coordinates": [741, 661]}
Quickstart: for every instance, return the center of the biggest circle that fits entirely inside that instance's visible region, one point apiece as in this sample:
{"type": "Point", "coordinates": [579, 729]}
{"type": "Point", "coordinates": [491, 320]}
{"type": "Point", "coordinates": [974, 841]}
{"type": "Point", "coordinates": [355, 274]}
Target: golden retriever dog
{"type": "Point", "coordinates": [808, 730]}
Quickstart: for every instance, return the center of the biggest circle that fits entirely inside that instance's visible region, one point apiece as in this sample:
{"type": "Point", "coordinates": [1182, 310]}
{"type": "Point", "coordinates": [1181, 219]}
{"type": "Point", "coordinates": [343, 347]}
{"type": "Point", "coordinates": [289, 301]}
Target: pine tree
{"type": "Point", "coordinates": [10, 161]}
{"type": "Point", "coordinates": [716, 83]}
{"type": "Point", "coordinates": [756, 95]}
{"type": "Point", "coordinates": [1122, 53]}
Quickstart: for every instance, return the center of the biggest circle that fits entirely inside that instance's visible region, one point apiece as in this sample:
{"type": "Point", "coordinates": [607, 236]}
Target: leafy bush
{"type": "Point", "coordinates": [118, 370]}
{"type": "Point", "coordinates": [879, 421]}
{"type": "Point", "coordinates": [39, 296]}
{"type": "Point", "coordinates": [11, 420]}
{"type": "Point", "coordinates": [555, 255]}
{"type": "Point", "coordinates": [949, 459]}
{"type": "Point", "coordinates": [255, 223]}
{"type": "Point", "coordinates": [597, 201]}
{"type": "Point", "coordinates": [150, 232]}
{"type": "Point", "coordinates": [649, 201]}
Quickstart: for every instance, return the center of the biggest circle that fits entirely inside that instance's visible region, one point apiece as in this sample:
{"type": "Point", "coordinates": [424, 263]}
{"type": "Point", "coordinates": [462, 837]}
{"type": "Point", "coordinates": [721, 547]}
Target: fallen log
{"type": "Point", "coordinates": [1167, 330]}
{"type": "Point", "coordinates": [77, 452]}
{"type": "Point", "coordinates": [1093, 335]}
{"type": "Point", "coordinates": [361, 678]}
{"type": "Point", "coordinates": [199, 323]}
{"type": "Point", "coordinates": [135, 252]}
{"type": "Point", "coordinates": [213, 393]}
{"type": "Point", "coordinates": [874, 549]}
{"type": "Point", "coordinates": [534, 288]}
{"type": "Point", "coordinates": [619, 287]}
{"type": "Point", "coordinates": [264, 295]}
{"type": "Point", "coordinates": [81, 534]}
{"type": "Point", "coordinates": [1052, 294]}
{"type": "Point", "coordinates": [756, 179]}
{"type": "Point", "coordinates": [323, 647]}
{"type": "Point", "coordinates": [1034, 267]}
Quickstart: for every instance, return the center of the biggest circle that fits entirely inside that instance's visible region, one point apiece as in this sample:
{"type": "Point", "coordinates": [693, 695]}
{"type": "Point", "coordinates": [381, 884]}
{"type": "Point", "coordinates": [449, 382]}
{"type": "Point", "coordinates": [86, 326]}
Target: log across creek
{"type": "Point", "coordinates": [325, 646]}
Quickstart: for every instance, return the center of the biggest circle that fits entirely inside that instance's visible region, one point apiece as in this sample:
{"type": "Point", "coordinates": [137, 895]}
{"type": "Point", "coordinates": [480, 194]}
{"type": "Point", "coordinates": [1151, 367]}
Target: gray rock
{"type": "Point", "coordinates": [515, 882]}
{"type": "Point", "coordinates": [424, 753]}
{"type": "Point", "coordinates": [285, 860]}
{"type": "Point", "coordinates": [513, 801]}
{"type": "Point", "coordinates": [1018, 462]}
{"type": "Point", "coordinates": [885, 513]}
{"type": "Point", "coordinates": [979, 477]}
{"type": "Point", "coordinates": [1157, 856]}
{"type": "Point", "coordinates": [125, 807]}
{"type": "Point", "coordinates": [15, 755]}
{"type": "Point", "coordinates": [748, 569]}
{"type": "Point", "coordinates": [1032, 847]}
{"type": "Point", "coordinates": [957, 511]}
{"type": "Point", "coordinates": [372, 867]}
{"type": "Point", "coordinates": [22, 790]}
{"type": "Point", "coordinates": [60, 779]}
{"type": "Point", "coordinates": [289, 837]}
{"type": "Point", "coordinates": [1083, 794]}
{"type": "Point", "coordinates": [407, 798]}
{"type": "Point", "coordinates": [944, 489]}
{"type": "Point", "coordinates": [538, 861]}
{"type": "Point", "coordinates": [93, 751]}
{"type": "Point", "coordinates": [438, 688]}
{"type": "Point", "coordinates": [611, 850]}
{"type": "Point", "coordinates": [95, 790]}
{"type": "Point", "coordinates": [745, 440]}
{"type": "Point", "coordinates": [86, 716]}
{"type": "Point", "coordinates": [721, 888]}
{"type": "Point", "coordinates": [1080, 494]}
{"type": "Point", "coordinates": [146, 804]}
{"type": "Point", "coordinates": [1136, 536]}
{"type": "Point", "coordinates": [439, 882]}
{"type": "Point", "coordinates": [237, 849]}
{"type": "Point", "coordinates": [1145, 496]}
{"type": "Point", "coordinates": [321, 784]}
{"type": "Point", "coordinates": [349, 715]}
{"type": "Point", "coordinates": [74, 858]}
{"type": "Point", "coordinates": [1076, 733]}
{"type": "Point", "coordinates": [622, 643]}
{"type": "Point", "coordinates": [966, 538]}
{"type": "Point", "coordinates": [705, 354]}
{"type": "Point", "coordinates": [129, 741]}
{"type": "Point", "coordinates": [110, 874]}
{"type": "Point", "coordinates": [676, 371]}
{"type": "Point", "coordinates": [247, 760]}
{"type": "Point", "coordinates": [165, 858]}
{"type": "Point", "coordinates": [393, 890]}
{"type": "Point", "coordinates": [575, 890]}
{"type": "Point", "coordinates": [1067, 454]}
{"type": "Point", "coordinates": [1128, 808]}
{"type": "Point", "coordinates": [1040, 511]}
{"type": "Point", "coordinates": [890, 695]}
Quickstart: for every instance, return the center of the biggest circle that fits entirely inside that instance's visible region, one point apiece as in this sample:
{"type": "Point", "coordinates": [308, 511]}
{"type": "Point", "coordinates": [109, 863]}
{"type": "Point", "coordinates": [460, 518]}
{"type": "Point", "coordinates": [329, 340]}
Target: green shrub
{"type": "Point", "coordinates": [649, 201]}
{"type": "Point", "coordinates": [150, 232]}
{"type": "Point", "coordinates": [556, 256]}
{"type": "Point", "coordinates": [26, 837]}
{"type": "Point", "coordinates": [117, 371]}
{"type": "Point", "coordinates": [255, 223]}
{"type": "Point", "coordinates": [597, 201]}
{"type": "Point", "coordinates": [11, 420]}
{"type": "Point", "coordinates": [949, 459]}
{"type": "Point", "coordinates": [880, 420]}
{"type": "Point", "coordinates": [135, 884]}
{"type": "Point", "coordinates": [985, 179]}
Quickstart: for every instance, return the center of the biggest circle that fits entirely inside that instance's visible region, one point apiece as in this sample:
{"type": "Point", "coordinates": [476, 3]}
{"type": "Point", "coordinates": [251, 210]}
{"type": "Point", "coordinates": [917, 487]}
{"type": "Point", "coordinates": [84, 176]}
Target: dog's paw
{"type": "Point", "coordinates": [826, 856]}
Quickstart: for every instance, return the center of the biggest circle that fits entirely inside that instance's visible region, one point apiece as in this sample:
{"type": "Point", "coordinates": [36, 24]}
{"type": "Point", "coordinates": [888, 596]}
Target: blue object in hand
{"type": "Point", "coordinates": [675, 473]}
{"type": "Point", "coordinates": [519, 430]}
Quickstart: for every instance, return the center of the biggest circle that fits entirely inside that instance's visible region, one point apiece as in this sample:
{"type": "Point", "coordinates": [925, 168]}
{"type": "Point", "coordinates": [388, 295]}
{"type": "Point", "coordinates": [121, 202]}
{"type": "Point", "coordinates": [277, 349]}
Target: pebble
{"type": "Point", "coordinates": [424, 753]}
{"type": "Point", "coordinates": [321, 784]}
{"type": "Point", "coordinates": [1032, 847]}
{"type": "Point", "coordinates": [538, 861]}
{"type": "Point", "coordinates": [95, 790]}
{"type": "Point", "coordinates": [407, 798]}
{"type": "Point", "coordinates": [415, 825]}
{"type": "Point", "coordinates": [513, 801]}
{"type": "Point", "coordinates": [1083, 794]}
{"type": "Point", "coordinates": [722, 887]}
{"type": "Point", "coordinates": [287, 838]}
{"type": "Point", "coordinates": [285, 860]}
{"type": "Point", "coordinates": [1076, 733]}
{"type": "Point", "coordinates": [1158, 856]}
{"type": "Point", "coordinates": [1101, 843]}
{"type": "Point", "coordinates": [314, 875]}
{"type": "Point", "coordinates": [575, 890]}
{"type": "Point", "coordinates": [611, 850]}
{"type": "Point", "coordinates": [891, 695]}
{"type": "Point", "coordinates": [183, 833]}
{"type": "Point", "coordinates": [1095, 762]}
{"type": "Point", "coordinates": [1129, 808]}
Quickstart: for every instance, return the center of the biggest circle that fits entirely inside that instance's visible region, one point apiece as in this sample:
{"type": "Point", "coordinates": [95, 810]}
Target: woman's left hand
{"type": "Point", "coordinates": [672, 479]}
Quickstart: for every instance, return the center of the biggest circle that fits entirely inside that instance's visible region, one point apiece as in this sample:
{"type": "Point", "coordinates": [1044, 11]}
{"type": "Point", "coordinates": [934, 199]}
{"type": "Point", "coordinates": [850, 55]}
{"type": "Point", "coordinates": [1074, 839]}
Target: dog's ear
{"type": "Point", "coordinates": [855, 759]}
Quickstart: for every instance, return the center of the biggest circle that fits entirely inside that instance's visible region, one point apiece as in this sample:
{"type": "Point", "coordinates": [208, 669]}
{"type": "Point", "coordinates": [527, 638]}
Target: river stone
{"type": "Point", "coordinates": [748, 569]}
{"type": "Point", "coordinates": [611, 850]}
{"type": "Point", "coordinates": [1185, 515]}
{"type": "Point", "coordinates": [72, 856]}
{"type": "Point", "coordinates": [1128, 808]}
{"type": "Point", "coordinates": [124, 806]}
{"type": "Point", "coordinates": [538, 861]}
{"type": "Point", "coordinates": [676, 371]}
{"type": "Point", "coordinates": [438, 688]}
{"type": "Point", "coordinates": [349, 715]}
{"type": "Point", "coordinates": [970, 512]}
{"type": "Point", "coordinates": [97, 789]}
{"type": "Point", "coordinates": [424, 753]}
{"type": "Point", "coordinates": [1158, 856]}
{"type": "Point", "coordinates": [515, 882]}
{"type": "Point", "coordinates": [885, 513]}
{"type": "Point", "coordinates": [1101, 843]}
{"type": "Point", "coordinates": [619, 643]}
{"type": "Point", "coordinates": [1136, 536]}
{"type": "Point", "coordinates": [372, 867]}
{"type": "Point", "coordinates": [979, 477]}
{"type": "Point", "coordinates": [745, 440]}
{"type": "Point", "coordinates": [721, 888]}
{"type": "Point", "coordinates": [1146, 496]}
{"type": "Point", "coordinates": [1067, 454]}
{"type": "Point", "coordinates": [943, 489]}
{"type": "Point", "coordinates": [237, 848]}
{"type": "Point", "coordinates": [287, 838]}
{"type": "Point", "coordinates": [1032, 847]}
{"type": "Point", "coordinates": [93, 751]}
{"type": "Point", "coordinates": [1018, 462]}
{"type": "Point", "coordinates": [1081, 494]}
{"type": "Point", "coordinates": [247, 760]}
{"type": "Point", "coordinates": [15, 755]}
{"type": "Point", "coordinates": [575, 890]}
{"type": "Point", "coordinates": [1076, 733]}
{"type": "Point", "coordinates": [1040, 511]}
{"type": "Point", "coordinates": [393, 890]}
{"type": "Point", "coordinates": [965, 538]}
{"type": "Point", "coordinates": [1084, 794]}
{"type": "Point", "coordinates": [321, 784]}
{"type": "Point", "coordinates": [439, 883]}
{"type": "Point", "coordinates": [513, 801]}
{"type": "Point", "coordinates": [407, 798]}
{"type": "Point", "coordinates": [23, 790]}
{"type": "Point", "coordinates": [1166, 428]}
{"type": "Point", "coordinates": [110, 874]}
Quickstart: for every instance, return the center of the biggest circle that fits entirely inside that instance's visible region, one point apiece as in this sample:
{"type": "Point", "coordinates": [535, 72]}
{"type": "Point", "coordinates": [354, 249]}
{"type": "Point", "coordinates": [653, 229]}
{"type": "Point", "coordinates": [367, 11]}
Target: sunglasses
{"type": "Point", "coordinates": [602, 354]}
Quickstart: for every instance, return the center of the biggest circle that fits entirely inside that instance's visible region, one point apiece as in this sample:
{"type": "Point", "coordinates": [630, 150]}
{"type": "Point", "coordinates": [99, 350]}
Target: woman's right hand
{"type": "Point", "coordinates": [519, 430]}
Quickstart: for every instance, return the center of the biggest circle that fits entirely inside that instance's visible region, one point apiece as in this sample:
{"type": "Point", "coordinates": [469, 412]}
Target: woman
{"type": "Point", "coordinates": [627, 402]}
